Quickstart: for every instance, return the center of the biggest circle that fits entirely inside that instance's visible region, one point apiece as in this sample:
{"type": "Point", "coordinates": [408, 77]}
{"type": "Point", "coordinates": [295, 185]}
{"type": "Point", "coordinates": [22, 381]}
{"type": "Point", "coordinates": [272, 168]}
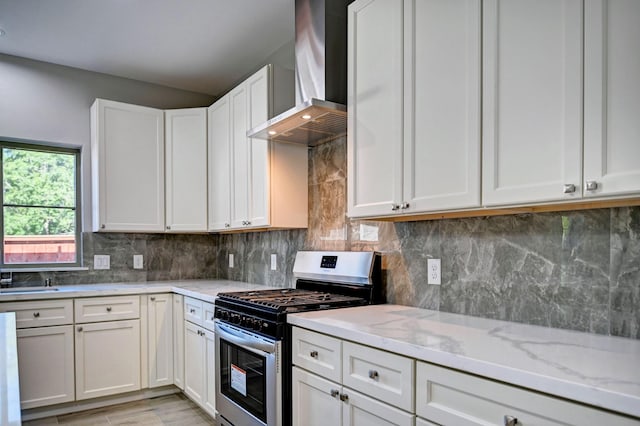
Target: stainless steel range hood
{"type": "Point", "coordinates": [320, 114]}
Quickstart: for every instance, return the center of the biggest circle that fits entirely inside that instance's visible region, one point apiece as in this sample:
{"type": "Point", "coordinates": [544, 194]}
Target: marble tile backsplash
{"type": "Point", "coordinates": [576, 270]}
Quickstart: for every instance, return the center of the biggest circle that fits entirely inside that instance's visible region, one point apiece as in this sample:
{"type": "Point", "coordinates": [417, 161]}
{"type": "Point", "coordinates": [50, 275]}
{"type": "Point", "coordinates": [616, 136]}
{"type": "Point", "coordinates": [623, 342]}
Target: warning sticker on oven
{"type": "Point", "coordinates": [239, 379]}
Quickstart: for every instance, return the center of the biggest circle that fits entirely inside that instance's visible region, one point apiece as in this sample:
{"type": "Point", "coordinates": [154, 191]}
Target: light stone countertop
{"type": "Point", "coordinates": [201, 289]}
{"type": "Point", "coordinates": [599, 370]}
{"type": "Point", "coordinates": [9, 384]}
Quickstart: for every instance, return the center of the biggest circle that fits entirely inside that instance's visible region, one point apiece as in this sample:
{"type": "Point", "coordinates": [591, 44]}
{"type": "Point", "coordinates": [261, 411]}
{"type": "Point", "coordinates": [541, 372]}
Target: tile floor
{"type": "Point", "coordinates": [165, 410]}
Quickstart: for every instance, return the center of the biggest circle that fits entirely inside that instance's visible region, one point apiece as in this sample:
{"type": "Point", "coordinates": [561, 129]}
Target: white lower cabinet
{"type": "Point", "coordinates": [199, 356]}
{"type": "Point", "coordinates": [317, 401]}
{"type": "Point", "coordinates": [160, 340]}
{"type": "Point", "coordinates": [107, 358]}
{"type": "Point", "coordinates": [45, 366]}
{"type": "Point", "coordinates": [178, 340]}
{"type": "Point", "coordinates": [367, 386]}
{"type": "Point", "coordinates": [451, 397]}
{"type": "Point", "coordinates": [45, 351]}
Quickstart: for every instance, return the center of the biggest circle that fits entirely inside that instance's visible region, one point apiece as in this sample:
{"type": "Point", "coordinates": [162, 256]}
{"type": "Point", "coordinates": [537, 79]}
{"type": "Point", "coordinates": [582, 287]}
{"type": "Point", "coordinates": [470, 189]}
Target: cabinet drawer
{"type": "Point", "coordinates": [40, 313]}
{"type": "Point", "coordinates": [98, 309]}
{"type": "Point", "coordinates": [382, 375]}
{"type": "Point", "coordinates": [447, 397]}
{"type": "Point", "coordinates": [193, 310]}
{"type": "Point", "coordinates": [317, 353]}
{"type": "Point", "coordinates": [208, 316]}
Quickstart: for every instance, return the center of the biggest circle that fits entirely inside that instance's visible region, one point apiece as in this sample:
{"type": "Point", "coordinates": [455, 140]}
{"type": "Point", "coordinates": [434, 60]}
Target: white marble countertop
{"type": "Point", "coordinates": [201, 289]}
{"type": "Point", "coordinates": [599, 370]}
{"type": "Point", "coordinates": [9, 384]}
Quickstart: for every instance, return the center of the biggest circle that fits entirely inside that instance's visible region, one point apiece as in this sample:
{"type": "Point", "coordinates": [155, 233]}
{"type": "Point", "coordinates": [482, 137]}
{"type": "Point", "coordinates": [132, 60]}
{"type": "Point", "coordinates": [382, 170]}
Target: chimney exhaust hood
{"type": "Point", "coordinates": [320, 114]}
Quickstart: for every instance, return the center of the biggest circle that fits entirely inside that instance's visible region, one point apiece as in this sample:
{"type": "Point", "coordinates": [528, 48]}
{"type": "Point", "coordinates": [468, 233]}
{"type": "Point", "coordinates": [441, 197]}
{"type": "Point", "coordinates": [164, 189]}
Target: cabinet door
{"type": "Point", "coordinates": [374, 105]}
{"type": "Point", "coordinates": [160, 336]}
{"type": "Point", "coordinates": [612, 97]}
{"type": "Point", "coordinates": [127, 151]}
{"type": "Point", "coordinates": [364, 411]}
{"type": "Point", "coordinates": [107, 358]}
{"type": "Point", "coordinates": [209, 402]}
{"type": "Point", "coordinates": [442, 105]}
{"type": "Point", "coordinates": [178, 341]}
{"type": "Point", "coordinates": [240, 156]}
{"type": "Point", "coordinates": [220, 165]}
{"type": "Point", "coordinates": [186, 170]}
{"type": "Point", "coordinates": [315, 400]}
{"type": "Point", "coordinates": [258, 95]}
{"type": "Point", "coordinates": [532, 100]}
{"type": "Point", "coordinates": [45, 364]}
{"type": "Point", "coordinates": [194, 363]}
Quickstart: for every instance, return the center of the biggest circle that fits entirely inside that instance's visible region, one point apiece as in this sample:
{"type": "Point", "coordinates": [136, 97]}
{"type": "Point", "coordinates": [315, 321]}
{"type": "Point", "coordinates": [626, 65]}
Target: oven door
{"type": "Point", "coordinates": [248, 380]}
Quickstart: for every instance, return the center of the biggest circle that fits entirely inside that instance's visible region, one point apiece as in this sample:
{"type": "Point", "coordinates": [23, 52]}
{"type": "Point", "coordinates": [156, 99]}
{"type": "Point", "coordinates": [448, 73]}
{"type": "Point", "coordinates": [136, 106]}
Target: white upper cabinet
{"type": "Point", "coordinates": [186, 170]}
{"type": "Point", "coordinates": [219, 153]}
{"type": "Point", "coordinates": [253, 183]}
{"type": "Point", "coordinates": [612, 98]}
{"type": "Point", "coordinates": [240, 157]}
{"type": "Point", "coordinates": [532, 100]}
{"type": "Point", "coordinates": [374, 106]}
{"type": "Point", "coordinates": [127, 150]}
{"type": "Point", "coordinates": [442, 105]}
{"type": "Point", "coordinates": [414, 106]}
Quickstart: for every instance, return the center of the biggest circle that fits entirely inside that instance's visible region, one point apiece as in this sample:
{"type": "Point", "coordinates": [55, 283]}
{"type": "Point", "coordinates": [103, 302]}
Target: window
{"type": "Point", "coordinates": [40, 218]}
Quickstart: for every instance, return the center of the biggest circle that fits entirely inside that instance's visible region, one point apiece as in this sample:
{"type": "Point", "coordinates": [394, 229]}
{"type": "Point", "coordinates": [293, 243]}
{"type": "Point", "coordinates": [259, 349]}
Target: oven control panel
{"type": "Point", "coordinates": [247, 322]}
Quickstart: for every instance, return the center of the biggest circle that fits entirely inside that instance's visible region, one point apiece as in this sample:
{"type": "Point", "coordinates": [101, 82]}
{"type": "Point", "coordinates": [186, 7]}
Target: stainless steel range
{"type": "Point", "coordinates": [253, 342]}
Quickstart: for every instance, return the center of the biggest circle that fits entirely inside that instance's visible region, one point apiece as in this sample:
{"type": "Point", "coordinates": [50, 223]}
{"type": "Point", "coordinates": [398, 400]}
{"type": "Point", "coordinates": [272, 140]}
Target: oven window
{"type": "Point", "coordinates": [243, 378]}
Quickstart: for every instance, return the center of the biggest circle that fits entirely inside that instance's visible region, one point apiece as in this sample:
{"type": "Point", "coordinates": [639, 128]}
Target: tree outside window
{"type": "Point", "coordinates": [40, 199]}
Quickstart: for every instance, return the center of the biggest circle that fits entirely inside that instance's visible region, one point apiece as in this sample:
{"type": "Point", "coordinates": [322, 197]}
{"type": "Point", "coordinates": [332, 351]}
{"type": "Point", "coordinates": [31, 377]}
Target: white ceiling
{"type": "Point", "coordinates": [200, 45]}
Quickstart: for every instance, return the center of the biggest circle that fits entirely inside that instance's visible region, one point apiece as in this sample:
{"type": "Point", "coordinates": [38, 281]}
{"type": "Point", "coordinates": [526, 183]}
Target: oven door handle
{"type": "Point", "coordinates": [227, 333]}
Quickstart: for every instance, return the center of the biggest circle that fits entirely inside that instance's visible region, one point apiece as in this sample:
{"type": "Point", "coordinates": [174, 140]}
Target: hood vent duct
{"type": "Point", "coordinates": [320, 114]}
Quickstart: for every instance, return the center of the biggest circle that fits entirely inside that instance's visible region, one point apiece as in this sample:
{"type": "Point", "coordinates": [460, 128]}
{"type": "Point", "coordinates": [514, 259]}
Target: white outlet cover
{"type": "Point", "coordinates": [138, 261]}
{"type": "Point", "coordinates": [274, 262]}
{"type": "Point", "coordinates": [230, 260]}
{"type": "Point", "coordinates": [101, 261]}
{"type": "Point", "coordinates": [433, 272]}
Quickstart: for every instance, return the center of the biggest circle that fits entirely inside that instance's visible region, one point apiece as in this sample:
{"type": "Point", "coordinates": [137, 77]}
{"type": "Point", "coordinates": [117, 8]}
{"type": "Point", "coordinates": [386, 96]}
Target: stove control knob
{"type": "Point", "coordinates": [235, 318]}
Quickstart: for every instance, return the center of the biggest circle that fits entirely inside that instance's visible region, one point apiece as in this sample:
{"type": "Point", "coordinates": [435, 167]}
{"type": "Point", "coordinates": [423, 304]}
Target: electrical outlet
{"type": "Point", "coordinates": [101, 261]}
{"type": "Point", "coordinates": [230, 260]}
{"type": "Point", "coordinates": [138, 261]}
{"type": "Point", "coordinates": [433, 271]}
{"type": "Point", "coordinates": [274, 262]}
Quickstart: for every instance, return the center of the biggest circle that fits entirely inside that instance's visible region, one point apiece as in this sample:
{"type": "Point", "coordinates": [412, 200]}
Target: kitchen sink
{"type": "Point", "coordinates": [27, 290]}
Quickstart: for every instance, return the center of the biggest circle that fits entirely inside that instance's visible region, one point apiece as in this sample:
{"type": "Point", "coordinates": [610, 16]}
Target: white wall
{"type": "Point", "coordinates": [50, 103]}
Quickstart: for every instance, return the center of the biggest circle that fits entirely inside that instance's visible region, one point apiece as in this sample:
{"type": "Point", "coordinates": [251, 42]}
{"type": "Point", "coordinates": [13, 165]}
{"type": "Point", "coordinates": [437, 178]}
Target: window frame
{"type": "Point", "coordinates": [49, 148]}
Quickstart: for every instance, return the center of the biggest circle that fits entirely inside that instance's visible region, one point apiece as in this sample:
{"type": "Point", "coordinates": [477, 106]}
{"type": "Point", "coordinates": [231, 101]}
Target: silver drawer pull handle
{"type": "Point", "coordinates": [373, 374]}
{"type": "Point", "coordinates": [404, 205]}
{"type": "Point", "coordinates": [335, 393]}
{"type": "Point", "coordinates": [569, 188]}
{"type": "Point", "coordinates": [36, 314]}
{"type": "Point", "coordinates": [510, 421]}
{"type": "Point", "coordinates": [591, 185]}
{"type": "Point", "coordinates": [344, 397]}
{"type": "Point", "coordinates": [314, 354]}
{"type": "Point", "coordinates": [193, 311]}
{"type": "Point", "coordinates": [79, 329]}
{"type": "Point", "coordinates": [108, 308]}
